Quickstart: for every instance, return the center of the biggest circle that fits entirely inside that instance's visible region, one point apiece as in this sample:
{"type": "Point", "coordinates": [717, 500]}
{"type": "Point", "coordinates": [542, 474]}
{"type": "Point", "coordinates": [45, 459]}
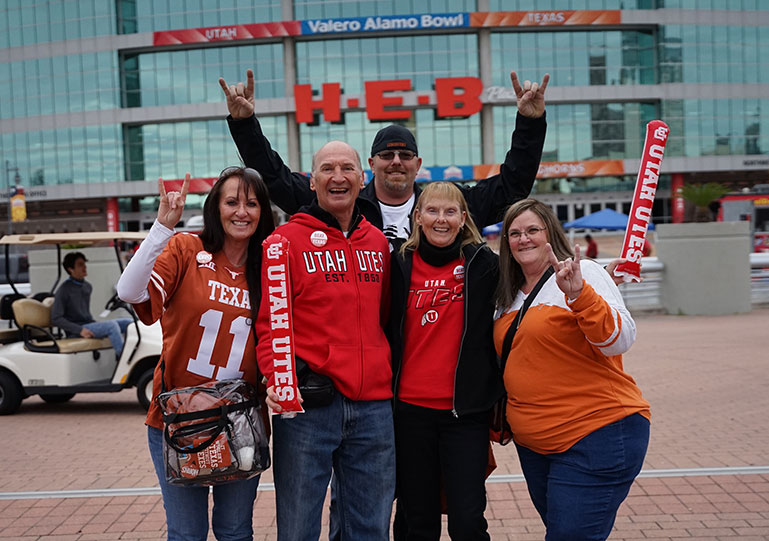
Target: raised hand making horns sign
{"type": "Point", "coordinates": [240, 97]}
{"type": "Point", "coordinates": [172, 203]}
{"type": "Point", "coordinates": [531, 96]}
{"type": "Point", "coordinates": [568, 274]}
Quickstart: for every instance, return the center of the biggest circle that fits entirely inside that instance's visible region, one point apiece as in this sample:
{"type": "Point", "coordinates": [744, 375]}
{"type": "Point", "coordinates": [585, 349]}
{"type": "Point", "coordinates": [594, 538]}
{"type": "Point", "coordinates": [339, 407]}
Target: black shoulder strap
{"type": "Point", "coordinates": [508, 342]}
{"type": "Point", "coordinates": [163, 374]}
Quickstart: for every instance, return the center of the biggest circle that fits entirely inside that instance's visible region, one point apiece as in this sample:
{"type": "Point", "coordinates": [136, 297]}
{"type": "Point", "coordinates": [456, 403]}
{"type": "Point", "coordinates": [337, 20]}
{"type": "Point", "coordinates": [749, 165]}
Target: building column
{"type": "Point", "coordinates": [289, 66]}
{"type": "Point", "coordinates": [484, 65]}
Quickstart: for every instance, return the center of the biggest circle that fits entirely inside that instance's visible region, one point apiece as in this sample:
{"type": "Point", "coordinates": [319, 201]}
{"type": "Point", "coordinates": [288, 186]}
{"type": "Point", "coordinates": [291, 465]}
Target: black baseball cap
{"type": "Point", "coordinates": [394, 137]}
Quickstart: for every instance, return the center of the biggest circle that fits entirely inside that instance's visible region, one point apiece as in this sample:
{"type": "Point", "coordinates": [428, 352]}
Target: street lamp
{"type": "Point", "coordinates": [17, 179]}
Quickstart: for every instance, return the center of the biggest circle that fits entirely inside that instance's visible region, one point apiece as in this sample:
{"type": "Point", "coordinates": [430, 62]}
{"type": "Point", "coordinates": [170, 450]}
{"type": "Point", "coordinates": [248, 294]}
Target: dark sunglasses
{"type": "Point", "coordinates": [389, 155]}
{"type": "Point", "coordinates": [246, 172]}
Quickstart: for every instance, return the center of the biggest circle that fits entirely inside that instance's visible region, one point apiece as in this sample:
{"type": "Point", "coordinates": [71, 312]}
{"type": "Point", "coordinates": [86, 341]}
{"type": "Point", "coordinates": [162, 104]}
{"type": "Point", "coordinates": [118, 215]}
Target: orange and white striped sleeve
{"type": "Point", "coordinates": [601, 312]}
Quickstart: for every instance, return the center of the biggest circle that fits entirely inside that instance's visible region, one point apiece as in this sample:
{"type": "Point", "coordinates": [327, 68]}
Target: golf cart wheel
{"type": "Point", "coordinates": [57, 398]}
{"type": "Point", "coordinates": [10, 394]}
{"type": "Point", "coordinates": [144, 388]}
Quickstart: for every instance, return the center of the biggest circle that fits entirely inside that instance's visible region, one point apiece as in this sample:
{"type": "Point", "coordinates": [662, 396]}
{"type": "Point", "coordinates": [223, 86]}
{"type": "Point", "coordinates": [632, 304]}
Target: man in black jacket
{"type": "Point", "coordinates": [388, 200]}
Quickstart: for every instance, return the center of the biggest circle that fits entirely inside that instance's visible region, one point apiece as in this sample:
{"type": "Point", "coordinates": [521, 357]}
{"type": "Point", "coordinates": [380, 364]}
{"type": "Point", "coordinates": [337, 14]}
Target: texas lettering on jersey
{"type": "Point", "coordinates": [229, 295]}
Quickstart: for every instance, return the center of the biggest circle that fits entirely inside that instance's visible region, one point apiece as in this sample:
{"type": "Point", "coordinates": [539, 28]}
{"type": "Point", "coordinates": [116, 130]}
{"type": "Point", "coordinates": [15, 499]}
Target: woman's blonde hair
{"type": "Point", "coordinates": [448, 191]}
{"type": "Point", "coordinates": [511, 277]}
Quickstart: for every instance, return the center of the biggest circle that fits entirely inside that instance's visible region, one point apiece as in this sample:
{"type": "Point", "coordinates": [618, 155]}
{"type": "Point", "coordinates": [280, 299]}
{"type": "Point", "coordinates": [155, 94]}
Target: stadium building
{"type": "Point", "coordinates": [101, 98]}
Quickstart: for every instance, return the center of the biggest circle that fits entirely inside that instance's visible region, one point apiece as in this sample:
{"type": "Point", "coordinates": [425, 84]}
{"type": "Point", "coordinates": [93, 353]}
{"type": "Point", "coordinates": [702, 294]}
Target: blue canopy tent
{"type": "Point", "coordinates": [493, 229]}
{"type": "Point", "coordinates": [603, 219]}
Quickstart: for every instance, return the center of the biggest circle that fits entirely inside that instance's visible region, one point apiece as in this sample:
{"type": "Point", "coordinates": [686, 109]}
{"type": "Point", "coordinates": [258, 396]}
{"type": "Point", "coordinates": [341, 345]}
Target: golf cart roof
{"type": "Point", "coordinates": [87, 238]}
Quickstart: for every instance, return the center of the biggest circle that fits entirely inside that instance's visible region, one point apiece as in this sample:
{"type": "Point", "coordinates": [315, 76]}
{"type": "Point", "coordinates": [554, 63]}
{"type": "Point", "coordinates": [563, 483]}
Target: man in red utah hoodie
{"type": "Point", "coordinates": [339, 265]}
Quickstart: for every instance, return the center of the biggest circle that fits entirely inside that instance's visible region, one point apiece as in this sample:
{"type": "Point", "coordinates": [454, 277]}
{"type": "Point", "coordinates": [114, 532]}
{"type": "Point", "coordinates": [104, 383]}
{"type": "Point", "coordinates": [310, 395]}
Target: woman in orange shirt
{"type": "Point", "coordinates": [579, 421]}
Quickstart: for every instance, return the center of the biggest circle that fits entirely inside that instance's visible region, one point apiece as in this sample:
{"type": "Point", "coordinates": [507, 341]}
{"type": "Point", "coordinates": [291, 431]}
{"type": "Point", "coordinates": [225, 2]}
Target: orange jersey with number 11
{"type": "Point", "coordinates": [204, 308]}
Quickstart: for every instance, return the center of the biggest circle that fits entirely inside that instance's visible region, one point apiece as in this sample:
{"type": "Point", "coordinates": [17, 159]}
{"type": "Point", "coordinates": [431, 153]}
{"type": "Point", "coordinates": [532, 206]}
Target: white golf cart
{"type": "Point", "coordinates": [36, 359]}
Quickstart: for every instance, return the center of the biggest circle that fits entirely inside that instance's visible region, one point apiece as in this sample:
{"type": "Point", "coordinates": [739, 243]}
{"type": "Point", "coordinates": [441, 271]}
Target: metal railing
{"type": "Point", "coordinates": [646, 295]}
{"type": "Point", "coordinates": [759, 278]}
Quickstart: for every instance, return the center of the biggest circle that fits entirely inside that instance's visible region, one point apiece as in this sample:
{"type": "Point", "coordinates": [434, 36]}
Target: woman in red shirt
{"type": "Point", "coordinates": [446, 376]}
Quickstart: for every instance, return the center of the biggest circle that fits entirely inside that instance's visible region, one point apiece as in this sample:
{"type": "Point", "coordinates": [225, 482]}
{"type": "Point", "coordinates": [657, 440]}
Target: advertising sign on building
{"type": "Point", "coordinates": [18, 204]}
{"type": "Point", "coordinates": [385, 23]}
{"type": "Point", "coordinates": [391, 99]}
{"type": "Point", "coordinates": [388, 23]}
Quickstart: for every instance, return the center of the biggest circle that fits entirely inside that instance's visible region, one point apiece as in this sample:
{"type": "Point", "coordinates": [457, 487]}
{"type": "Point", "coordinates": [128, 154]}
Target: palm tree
{"type": "Point", "coordinates": [701, 196]}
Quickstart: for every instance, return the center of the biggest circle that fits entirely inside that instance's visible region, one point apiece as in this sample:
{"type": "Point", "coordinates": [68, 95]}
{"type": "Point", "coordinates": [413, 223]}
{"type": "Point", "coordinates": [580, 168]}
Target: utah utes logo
{"type": "Point", "coordinates": [431, 316]}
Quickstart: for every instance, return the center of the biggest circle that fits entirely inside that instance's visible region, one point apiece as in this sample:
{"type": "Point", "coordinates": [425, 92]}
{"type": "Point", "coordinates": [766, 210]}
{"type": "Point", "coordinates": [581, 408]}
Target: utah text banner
{"type": "Point", "coordinates": [643, 200]}
{"type": "Point", "coordinates": [275, 249]}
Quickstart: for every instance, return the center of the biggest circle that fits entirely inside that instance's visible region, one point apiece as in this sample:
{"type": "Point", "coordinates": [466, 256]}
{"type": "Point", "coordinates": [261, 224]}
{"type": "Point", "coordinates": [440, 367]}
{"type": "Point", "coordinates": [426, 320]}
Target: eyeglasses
{"type": "Point", "coordinates": [530, 233]}
{"type": "Point", "coordinates": [404, 155]}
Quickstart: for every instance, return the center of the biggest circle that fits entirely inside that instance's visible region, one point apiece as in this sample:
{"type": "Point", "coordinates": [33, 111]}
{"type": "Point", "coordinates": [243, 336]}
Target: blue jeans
{"type": "Point", "coordinates": [187, 507]}
{"type": "Point", "coordinates": [355, 441]}
{"type": "Point", "coordinates": [112, 329]}
{"type": "Point", "coordinates": [578, 492]}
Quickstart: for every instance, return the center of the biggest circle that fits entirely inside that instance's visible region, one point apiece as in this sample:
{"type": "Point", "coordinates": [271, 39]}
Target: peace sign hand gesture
{"type": "Point", "coordinates": [531, 96]}
{"type": "Point", "coordinates": [172, 203]}
{"type": "Point", "coordinates": [568, 274]}
{"type": "Point", "coordinates": [240, 98]}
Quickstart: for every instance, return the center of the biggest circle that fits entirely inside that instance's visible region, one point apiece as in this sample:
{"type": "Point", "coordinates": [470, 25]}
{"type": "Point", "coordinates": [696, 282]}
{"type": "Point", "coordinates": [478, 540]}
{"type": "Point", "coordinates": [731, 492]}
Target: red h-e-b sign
{"type": "Point", "coordinates": [454, 97]}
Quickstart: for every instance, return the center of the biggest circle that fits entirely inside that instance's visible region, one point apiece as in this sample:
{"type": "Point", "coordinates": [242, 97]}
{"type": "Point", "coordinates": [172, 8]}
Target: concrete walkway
{"type": "Point", "coordinates": [81, 471]}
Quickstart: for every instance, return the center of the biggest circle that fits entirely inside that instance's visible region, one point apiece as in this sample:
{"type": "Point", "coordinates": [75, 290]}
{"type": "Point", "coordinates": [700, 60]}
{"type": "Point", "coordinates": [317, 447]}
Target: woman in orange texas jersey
{"type": "Point", "coordinates": [446, 373]}
{"type": "Point", "coordinates": [579, 421]}
{"type": "Point", "coordinates": [205, 291]}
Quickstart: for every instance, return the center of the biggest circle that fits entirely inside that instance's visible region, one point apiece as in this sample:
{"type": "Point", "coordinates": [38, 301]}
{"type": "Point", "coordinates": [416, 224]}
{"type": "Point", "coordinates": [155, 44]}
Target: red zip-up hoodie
{"type": "Point", "coordinates": [340, 290]}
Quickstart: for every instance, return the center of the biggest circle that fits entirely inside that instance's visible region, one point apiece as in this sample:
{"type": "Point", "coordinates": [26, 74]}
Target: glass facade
{"type": "Point", "coordinates": [543, 5]}
{"type": "Point", "coordinates": [576, 132]}
{"type": "Point", "coordinates": [714, 54]}
{"type": "Point", "coordinates": [440, 143]}
{"type": "Point", "coordinates": [157, 15]}
{"type": "Point", "coordinates": [59, 85]}
{"type": "Point", "coordinates": [736, 5]}
{"type": "Point", "coordinates": [84, 154]}
{"type": "Point", "coordinates": [576, 58]}
{"type": "Point", "coordinates": [25, 22]}
{"type": "Point", "coordinates": [717, 127]}
{"type": "Point", "coordinates": [202, 148]}
{"type": "Point", "coordinates": [418, 58]}
{"type": "Point", "coordinates": [182, 77]}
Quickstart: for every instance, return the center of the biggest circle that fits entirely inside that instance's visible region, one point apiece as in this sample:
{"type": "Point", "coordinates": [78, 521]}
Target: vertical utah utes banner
{"type": "Point", "coordinates": [275, 248]}
{"type": "Point", "coordinates": [643, 199]}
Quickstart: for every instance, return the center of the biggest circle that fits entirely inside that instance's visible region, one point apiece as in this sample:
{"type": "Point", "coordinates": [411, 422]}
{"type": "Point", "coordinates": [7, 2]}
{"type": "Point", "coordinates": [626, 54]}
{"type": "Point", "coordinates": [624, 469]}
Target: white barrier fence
{"type": "Point", "coordinates": [646, 295]}
{"type": "Point", "coordinates": [643, 296]}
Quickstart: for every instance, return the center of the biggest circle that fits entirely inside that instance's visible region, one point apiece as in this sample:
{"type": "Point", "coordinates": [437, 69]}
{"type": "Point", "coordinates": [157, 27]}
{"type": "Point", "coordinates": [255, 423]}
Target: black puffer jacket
{"type": "Point", "coordinates": [477, 381]}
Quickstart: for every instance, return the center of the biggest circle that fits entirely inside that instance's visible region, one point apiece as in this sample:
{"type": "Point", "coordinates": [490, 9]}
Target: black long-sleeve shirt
{"type": "Point", "coordinates": [487, 200]}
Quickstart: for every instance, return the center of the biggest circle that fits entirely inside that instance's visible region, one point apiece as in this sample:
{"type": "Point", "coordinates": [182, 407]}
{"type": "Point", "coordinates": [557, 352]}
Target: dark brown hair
{"type": "Point", "coordinates": [213, 234]}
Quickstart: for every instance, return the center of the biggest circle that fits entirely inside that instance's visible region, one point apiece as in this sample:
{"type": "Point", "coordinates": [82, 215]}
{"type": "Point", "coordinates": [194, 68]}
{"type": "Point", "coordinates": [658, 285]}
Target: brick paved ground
{"type": "Point", "coordinates": [706, 378]}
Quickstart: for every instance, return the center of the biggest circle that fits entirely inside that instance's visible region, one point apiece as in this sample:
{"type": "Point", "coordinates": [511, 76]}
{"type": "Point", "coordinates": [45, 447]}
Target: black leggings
{"type": "Point", "coordinates": [434, 450]}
